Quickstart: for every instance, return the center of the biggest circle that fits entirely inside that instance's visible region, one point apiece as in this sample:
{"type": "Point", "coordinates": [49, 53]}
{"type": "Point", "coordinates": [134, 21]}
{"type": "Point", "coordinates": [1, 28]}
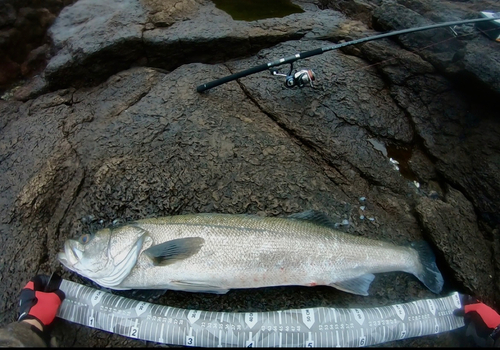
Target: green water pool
{"type": "Point", "coordinates": [251, 10]}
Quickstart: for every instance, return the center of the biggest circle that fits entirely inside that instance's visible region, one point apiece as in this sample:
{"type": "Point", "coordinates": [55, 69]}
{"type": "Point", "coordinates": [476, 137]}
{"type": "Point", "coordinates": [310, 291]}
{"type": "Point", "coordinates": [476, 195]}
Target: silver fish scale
{"type": "Point", "coordinates": [244, 251]}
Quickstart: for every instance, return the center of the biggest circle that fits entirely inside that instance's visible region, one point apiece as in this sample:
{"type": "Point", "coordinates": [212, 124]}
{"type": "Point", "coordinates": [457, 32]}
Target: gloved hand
{"type": "Point", "coordinates": [481, 321]}
{"type": "Point", "coordinates": [40, 299]}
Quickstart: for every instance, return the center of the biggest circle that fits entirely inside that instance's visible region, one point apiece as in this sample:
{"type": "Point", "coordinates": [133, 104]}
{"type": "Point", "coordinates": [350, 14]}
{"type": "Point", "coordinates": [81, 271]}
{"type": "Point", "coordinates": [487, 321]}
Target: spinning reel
{"type": "Point", "coordinates": [300, 78]}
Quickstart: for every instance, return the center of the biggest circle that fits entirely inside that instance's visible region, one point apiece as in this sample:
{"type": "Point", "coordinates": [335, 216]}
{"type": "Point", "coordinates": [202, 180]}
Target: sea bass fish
{"type": "Point", "coordinates": [214, 253]}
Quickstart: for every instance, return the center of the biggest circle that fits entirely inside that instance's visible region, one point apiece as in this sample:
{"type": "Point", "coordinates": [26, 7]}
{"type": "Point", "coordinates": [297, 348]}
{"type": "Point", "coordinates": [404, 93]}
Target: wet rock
{"type": "Point", "coordinates": [396, 65]}
{"type": "Point", "coordinates": [9, 111]}
{"type": "Point", "coordinates": [89, 43]}
{"type": "Point", "coordinates": [213, 36]}
{"type": "Point", "coordinates": [32, 88]}
{"type": "Point", "coordinates": [165, 13]}
{"type": "Point", "coordinates": [7, 15]}
{"type": "Point", "coordinates": [36, 60]}
{"type": "Point", "coordinates": [422, 166]}
{"type": "Point", "coordinates": [393, 16]}
{"type": "Point", "coordinates": [9, 71]}
{"type": "Point", "coordinates": [471, 63]}
{"type": "Point", "coordinates": [452, 226]}
{"type": "Point", "coordinates": [354, 9]}
{"type": "Point", "coordinates": [94, 40]}
{"type": "Point", "coordinates": [337, 117]}
{"type": "Point", "coordinates": [456, 128]}
{"type": "Point", "coordinates": [459, 133]}
{"type": "Point", "coordinates": [23, 26]}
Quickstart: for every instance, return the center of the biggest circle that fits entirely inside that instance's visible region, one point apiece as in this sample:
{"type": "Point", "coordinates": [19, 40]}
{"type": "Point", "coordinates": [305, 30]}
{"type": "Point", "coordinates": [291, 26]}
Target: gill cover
{"type": "Point", "coordinates": [107, 257]}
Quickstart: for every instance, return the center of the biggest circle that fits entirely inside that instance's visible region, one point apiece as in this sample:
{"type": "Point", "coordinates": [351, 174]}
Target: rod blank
{"type": "Point", "coordinates": [262, 67]}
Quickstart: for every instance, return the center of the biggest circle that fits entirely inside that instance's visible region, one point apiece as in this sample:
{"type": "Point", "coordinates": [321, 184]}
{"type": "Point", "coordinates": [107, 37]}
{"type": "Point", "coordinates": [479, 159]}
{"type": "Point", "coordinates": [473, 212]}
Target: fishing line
{"type": "Point", "coordinates": [411, 51]}
{"type": "Point", "coordinates": [304, 77]}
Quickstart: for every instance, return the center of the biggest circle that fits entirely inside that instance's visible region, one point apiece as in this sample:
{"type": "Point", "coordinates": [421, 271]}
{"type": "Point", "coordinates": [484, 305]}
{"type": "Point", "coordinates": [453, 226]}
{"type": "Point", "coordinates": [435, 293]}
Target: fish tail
{"type": "Point", "coordinates": [428, 273]}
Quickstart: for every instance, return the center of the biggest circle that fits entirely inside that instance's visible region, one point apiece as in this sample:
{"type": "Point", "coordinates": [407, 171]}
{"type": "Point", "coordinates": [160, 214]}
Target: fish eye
{"type": "Point", "coordinates": [85, 238]}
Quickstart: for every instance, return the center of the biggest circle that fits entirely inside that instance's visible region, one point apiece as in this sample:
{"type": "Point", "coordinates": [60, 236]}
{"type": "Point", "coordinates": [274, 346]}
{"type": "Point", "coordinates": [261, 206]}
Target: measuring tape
{"type": "Point", "coordinates": [312, 327]}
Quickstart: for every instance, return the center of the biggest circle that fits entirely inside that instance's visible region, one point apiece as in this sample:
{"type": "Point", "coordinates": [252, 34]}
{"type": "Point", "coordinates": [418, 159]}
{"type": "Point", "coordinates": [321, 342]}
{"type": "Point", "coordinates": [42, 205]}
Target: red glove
{"type": "Point", "coordinates": [40, 299]}
{"type": "Point", "coordinates": [481, 321]}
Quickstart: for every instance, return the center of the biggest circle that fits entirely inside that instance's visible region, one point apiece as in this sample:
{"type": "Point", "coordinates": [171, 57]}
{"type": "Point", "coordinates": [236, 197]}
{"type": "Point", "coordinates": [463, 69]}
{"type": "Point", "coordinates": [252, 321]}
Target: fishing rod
{"type": "Point", "coordinates": [304, 77]}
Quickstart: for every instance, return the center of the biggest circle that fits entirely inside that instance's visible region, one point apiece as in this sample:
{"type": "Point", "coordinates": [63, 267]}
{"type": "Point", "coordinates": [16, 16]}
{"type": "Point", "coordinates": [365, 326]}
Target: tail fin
{"type": "Point", "coordinates": [429, 273]}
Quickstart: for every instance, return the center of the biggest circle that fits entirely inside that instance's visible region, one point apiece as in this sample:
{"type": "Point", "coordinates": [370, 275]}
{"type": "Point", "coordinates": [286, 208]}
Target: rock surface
{"type": "Point", "coordinates": [23, 39]}
{"type": "Point", "coordinates": [397, 137]}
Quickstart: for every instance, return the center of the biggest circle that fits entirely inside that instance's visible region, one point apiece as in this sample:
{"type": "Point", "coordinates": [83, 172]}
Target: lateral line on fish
{"type": "Point", "coordinates": [205, 225]}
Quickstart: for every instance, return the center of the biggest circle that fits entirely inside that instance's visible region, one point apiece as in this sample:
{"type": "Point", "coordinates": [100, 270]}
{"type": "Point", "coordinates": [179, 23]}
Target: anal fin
{"type": "Point", "coordinates": [359, 285]}
{"type": "Point", "coordinates": [199, 287]}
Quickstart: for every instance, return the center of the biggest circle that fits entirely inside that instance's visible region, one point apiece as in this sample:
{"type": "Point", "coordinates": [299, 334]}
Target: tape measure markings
{"type": "Point", "coordinates": [309, 327]}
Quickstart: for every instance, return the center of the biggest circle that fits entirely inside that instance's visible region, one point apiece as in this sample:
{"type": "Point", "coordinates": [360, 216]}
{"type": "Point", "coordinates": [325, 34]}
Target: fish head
{"type": "Point", "coordinates": [106, 257]}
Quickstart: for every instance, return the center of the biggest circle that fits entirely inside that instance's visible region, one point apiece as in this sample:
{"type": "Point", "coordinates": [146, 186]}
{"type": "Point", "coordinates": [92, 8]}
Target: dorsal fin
{"type": "Point", "coordinates": [316, 217]}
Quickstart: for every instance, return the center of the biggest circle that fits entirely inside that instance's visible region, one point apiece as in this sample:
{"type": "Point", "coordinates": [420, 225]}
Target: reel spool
{"type": "Point", "coordinates": [300, 78]}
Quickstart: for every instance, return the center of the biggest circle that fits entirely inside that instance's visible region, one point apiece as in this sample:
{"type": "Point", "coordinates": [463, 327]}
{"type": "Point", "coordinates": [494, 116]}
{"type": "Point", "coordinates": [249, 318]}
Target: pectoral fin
{"type": "Point", "coordinates": [358, 285]}
{"type": "Point", "coordinates": [200, 287]}
{"type": "Point", "coordinates": [171, 251]}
